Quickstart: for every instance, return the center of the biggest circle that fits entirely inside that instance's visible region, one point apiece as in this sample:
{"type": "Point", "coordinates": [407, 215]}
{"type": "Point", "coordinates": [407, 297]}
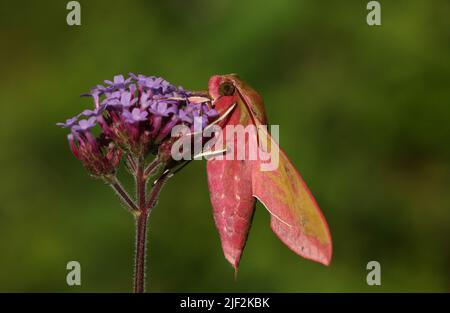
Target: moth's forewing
{"type": "Point", "coordinates": [296, 217]}
{"type": "Point", "coordinates": [233, 204]}
{"type": "Point", "coordinates": [229, 182]}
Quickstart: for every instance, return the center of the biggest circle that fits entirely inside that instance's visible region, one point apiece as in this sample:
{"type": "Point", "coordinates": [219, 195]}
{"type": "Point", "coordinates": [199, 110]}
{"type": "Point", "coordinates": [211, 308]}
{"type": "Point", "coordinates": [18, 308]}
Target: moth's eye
{"type": "Point", "coordinates": [226, 89]}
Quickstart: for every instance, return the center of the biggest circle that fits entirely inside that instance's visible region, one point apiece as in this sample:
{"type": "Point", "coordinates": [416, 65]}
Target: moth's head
{"type": "Point", "coordinates": [222, 86]}
{"type": "Point", "coordinates": [227, 90]}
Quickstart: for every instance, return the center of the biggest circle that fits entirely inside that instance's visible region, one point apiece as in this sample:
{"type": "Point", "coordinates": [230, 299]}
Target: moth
{"type": "Point", "coordinates": [236, 185]}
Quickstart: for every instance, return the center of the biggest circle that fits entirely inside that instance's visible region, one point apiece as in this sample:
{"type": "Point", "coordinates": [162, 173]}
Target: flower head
{"type": "Point", "coordinates": [99, 156]}
{"type": "Point", "coordinates": [135, 115]}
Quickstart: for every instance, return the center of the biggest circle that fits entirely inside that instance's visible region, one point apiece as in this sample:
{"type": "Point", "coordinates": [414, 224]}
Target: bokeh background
{"type": "Point", "coordinates": [363, 113]}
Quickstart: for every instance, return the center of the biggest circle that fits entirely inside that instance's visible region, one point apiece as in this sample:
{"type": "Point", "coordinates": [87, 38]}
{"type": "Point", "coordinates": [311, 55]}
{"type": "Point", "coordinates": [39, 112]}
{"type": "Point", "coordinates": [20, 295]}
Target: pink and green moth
{"type": "Point", "coordinates": [236, 185]}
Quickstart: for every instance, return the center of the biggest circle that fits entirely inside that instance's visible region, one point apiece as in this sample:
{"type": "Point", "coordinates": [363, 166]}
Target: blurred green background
{"type": "Point", "coordinates": [364, 114]}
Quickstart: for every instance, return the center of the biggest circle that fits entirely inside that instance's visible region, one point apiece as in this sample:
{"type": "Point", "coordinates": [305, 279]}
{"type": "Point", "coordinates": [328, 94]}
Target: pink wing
{"type": "Point", "coordinates": [295, 216]}
{"type": "Point", "coordinates": [230, 186]}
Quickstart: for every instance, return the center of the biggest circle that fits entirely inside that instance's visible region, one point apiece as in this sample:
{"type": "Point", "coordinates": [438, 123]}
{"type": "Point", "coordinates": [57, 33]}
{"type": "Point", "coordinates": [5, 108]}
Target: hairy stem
{"type": "Point", "coordinates": [139, 269]}
{"type": "Point", "coordinates": [123, 195]}
{"type": "Point", "coordinates": [141, 229]}
{"type": "Point", "coordinates": [157, 186]}
{"type": "Point", "coordinates": [131, 164]}
{"type": "Point", "coordinates": [144, 208]}
{"type": "Point", "coordinates": [140, 184]}
{"type": "Point", "coordinates": [152, 167]}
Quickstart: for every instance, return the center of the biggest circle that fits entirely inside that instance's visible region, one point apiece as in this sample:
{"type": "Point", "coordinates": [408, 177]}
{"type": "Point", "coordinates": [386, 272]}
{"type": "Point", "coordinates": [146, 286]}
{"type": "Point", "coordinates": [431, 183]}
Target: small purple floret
{"type": "Point", "coordinates": [84, 125]}
{"type": "Point", "coordinates": [135, 116]}
{"type": "Point", "coordinates": [69, 123]}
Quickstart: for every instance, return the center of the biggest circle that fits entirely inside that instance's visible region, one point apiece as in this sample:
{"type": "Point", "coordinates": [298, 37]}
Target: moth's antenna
{"type": "Point", "coordinates": [224, 115]}
{"type": "Point", "coordinates": [221, 118]}
{"type": "Point", "coordinates": [211, 153]}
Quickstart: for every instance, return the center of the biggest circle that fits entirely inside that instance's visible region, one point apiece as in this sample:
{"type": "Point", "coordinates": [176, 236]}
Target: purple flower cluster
{"type": "Point", "coordinates": [135, 115]}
